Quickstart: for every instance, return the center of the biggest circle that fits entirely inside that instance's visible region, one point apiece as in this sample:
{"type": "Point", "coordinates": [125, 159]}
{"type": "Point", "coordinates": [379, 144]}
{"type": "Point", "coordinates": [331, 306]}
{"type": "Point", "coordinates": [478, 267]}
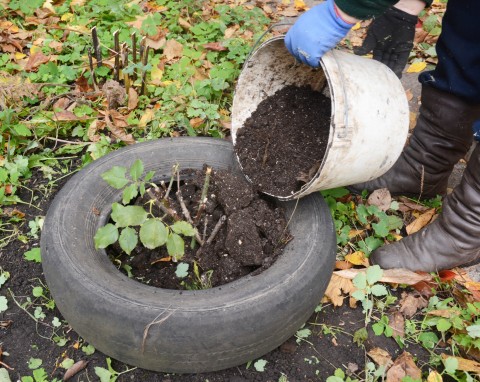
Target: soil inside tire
{"type": "Point", "coordinates": [282, 144]}
{"type": "Point", "coordinates": [252, 234]}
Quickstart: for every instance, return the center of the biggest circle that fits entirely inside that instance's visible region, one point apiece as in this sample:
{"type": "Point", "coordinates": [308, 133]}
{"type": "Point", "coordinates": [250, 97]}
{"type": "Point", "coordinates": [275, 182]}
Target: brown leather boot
{"type": "Point", "coordinates": [442, 136]}
{"type": "Point", "coordinates": [452, 239]}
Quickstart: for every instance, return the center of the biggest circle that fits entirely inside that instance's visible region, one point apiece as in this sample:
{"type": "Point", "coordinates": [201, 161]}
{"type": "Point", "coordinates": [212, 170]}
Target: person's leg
{"type": "Point", "coordinates": [450, 105]}
{"type": "Point", "coordinates": [452, 239]}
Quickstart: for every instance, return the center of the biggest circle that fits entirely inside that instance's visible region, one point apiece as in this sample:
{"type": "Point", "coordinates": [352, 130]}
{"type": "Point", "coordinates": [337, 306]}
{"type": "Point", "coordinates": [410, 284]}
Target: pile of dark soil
{"type": "Point", "coordinates": [283, 142]}
{"type": "Point", "coordinates": [253, 232]}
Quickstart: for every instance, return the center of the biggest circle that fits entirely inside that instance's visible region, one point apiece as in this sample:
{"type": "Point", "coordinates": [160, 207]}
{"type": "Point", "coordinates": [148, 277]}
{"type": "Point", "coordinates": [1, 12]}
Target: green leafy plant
{"type": "Point", "coordinates": [152, 232]}
{"type": "Point", "coordinates": [110, 374]}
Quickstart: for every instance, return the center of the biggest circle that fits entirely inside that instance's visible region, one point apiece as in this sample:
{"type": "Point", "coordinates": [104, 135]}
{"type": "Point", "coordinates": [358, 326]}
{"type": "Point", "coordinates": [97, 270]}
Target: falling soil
{"type": "Point", "coordinates": [252, 234]}
{"type": "Point", "coordinates": [283, 142]}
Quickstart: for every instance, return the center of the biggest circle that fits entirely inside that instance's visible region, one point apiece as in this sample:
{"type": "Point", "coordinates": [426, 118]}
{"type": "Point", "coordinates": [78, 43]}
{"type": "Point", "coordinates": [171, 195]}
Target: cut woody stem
{"type": "Point", "coordinates": [203, 199]}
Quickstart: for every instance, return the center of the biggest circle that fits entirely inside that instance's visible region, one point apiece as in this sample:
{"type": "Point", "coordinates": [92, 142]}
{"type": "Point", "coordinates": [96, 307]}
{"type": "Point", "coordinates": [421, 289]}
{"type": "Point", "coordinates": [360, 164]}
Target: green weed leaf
{"type": "Point", "coordinates": [105, 236]}
{"type": "Point", "coordinates": [336, 192]}
{"type": "Point", "coordinates": [3, 304]}
{"type": "Point", "coordinates": [175, 246]}
{"type": "Point", "coordinates": [260, 365]}
{"type": "Point", "coordinates": [379, 290]}
{"type": "Point", "coordinates": [381, 228]}
{"type": "Point", "coordinates": [359, 295]}
{"type": "Point", "coordinates": [115, 177]}
{"type": "Point", "coordinates": [149, 176]}
{"type": "Point", "coordinates": [451, 365]}
{"type": "Point", "coordinates": [103, 374]}
{"type": "Point", "coordinates": [183, 228]}
{"type": "Point", "coordinates": [443, 325]}
{"type": "Point", "coordinates": [129, 192]}
{"type": "Point", "coordinates": [370, 244]}
{"type": "Point", "coordinates": [473, 331]}
{"type": "Point", "coordinates": [33, 255]}
{"type": "Point", "coordinates": [126, 216]}
{"type": "Point", "coordinates": [67, 363]}
{"type": "Point", "coordinates": [374, 274]}
{"type": "Point", "coordinates": [128, 240]}
{"type": "Point", "coordinates": [428, 339]}
{"type": "Point", "coordinates": [360, 336]}
{"type": "Point", "coordinates": [40, 375]}
{"type": "Point", "coordinates": [4, 276]}
{"type": "Point", "coordinates": [136, 170]}
{"type": "Point", "coordinates": [37, 291]}
{"type": "Point", "coordinates": [88, 349]}
{"type": "Point", "coordinates": [182, 270]}
{"type": "Point", "coordinates": [153, 233]}
{"type": "Point", "coordinates": [360, 281]}
{"type": "Point", "coordinates": [378, 328]}
{"type": "Point", "coordinates": [34, 363]}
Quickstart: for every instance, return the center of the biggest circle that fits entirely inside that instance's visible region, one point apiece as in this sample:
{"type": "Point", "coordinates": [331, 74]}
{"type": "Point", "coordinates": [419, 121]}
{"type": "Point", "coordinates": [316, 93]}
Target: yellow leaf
{"type": "Point", "coordinates": [356, 258]}
{"type": "Point", "coordinates": [146, 118]}
{"type": "Point", "coordinates": [300, 5]}
{"type": "Point", "coordinates": [35, 49]}
{"type": "Point", "coordinates": [420, 222]}
{"type": "Point", "coordinates": [19, 56]}
{"type": "Point", "coordinates": [356, 26]}
{"type": "Point", "coordinates": [465, 364]}
{"type": "Point", "coordinates": [434, 377]}
{"type": "Point", "coordinates": [286, 2]}
{"type": "Point", "coordinates": [67, 17]}
{"type": "Point", "coordinates": [156, 75]}
{"type": "Point", "coordinates": [417, 67]}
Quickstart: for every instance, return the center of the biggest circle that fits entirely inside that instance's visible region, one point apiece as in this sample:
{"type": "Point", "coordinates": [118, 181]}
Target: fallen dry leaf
{"type": "Point", "coordinates": [445, 313]}
{"type": "Point", "coordinates": [434, 376]}
{"type": "Point", "coordinates": [118, 132]}
{"type": "Point", "coordinates": [340, 264]}
{"type": "Point", "coordinates": [380, 357]}
{"type": "Point", "coordinates": [404, 366]}
{"type": "Point", "coordinates": [408, 205]}
{"type": "Point", "coordinates": [420, 222]}
{"type": "Point", "coordinates": [35, 60]}
{"type": "Point", "coordinates": [66, 115]}
{"type": "Point", "coordinates": [397, 323]}
{"type": "Point", "coordinates": [215, 46]}
{"type": "Point", "coordinates": [196, 122]}
{"type": "Point", "coordinates": [465, 364]}
{"type": "Point", "coordinates": [409, 94]}
{"type": "Point", "coordinates": [417, 67]}
{"type": "Point", "coordinates": [392, 276]}
{"type": "Point", "coordinates": [357, 258]}
{"type": "Point", "coordinates": [146, 118]}
{"type": "Point", "coordinates": [336, 289]}
{"type": "Point", "coordinates": [74, 369]}
{"type": "Point", "coordinates": [380, 198]}
{"type": "Point", "coordinates": [132, 99]}
{"type": "Point", "coordinates": [300, 5]}
{"type": "Point", "coordinates": [288, 12]}
{"type": "Point", "coordinates": [411, 303]}
{"type": "Point", "coordinates": [173, 49]}
{"type": "Point", "coordinates": [94, 127]}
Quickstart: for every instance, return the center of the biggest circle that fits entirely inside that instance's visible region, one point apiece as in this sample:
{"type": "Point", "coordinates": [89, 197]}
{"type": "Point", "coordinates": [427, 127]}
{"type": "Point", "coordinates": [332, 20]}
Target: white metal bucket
{"type": "Point", "coordinates": [370, 117]}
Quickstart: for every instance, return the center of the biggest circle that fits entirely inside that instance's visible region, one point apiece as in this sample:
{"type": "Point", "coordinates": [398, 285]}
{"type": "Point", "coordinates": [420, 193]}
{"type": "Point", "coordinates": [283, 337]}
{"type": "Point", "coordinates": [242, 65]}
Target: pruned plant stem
{"type": "Point", "coordinates": [134, 53]}
{"type": "Point", "coordinates": [203, 198]}
{"type": "Point", "coordinates": [172, 178]}
{"type": "Point", "coordinates": [126, 77]}
{"type": "Point", "coordinates": [144, 72]}
{"type": "Point", "coordinates": [116, 43]}
{"type": "Point", "coordinates": [96, 47]}
{"type": "Point", "coordinates": [92, 69]}
{"type": "Point", "coordinates": [170, 212]}
{"type": "Point", "coordinates": [216, 229]}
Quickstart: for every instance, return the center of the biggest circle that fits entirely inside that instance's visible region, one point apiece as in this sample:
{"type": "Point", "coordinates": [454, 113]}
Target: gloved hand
{"type": "Point", "coordinates": [317, 31]}
{"type": "Point", "coordinates": [390, 36]}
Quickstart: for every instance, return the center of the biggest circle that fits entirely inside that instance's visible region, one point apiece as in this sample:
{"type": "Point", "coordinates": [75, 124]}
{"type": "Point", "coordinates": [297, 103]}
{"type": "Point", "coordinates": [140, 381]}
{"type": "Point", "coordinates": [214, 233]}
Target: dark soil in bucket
{"type": "Point", "coordinates": [241, 231]}
{"type": "Point", "coordinates": [282, 144]}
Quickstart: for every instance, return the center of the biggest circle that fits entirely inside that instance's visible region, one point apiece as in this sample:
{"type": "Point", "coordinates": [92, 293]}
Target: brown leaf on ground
{"type": "Point", "coordinates": [81, 85]}
{"type": "Point", "coordinates": [336, 289]}
{"type": "Point", "coordinates": [397, 323]}
{"type": "Point", "coordinates": [420, 222]}
{"type": "Point", "coordinates": [445, 313]}
{"type": "Point", "coordinates": [340, 264]}
{"type": "Point", "coordinates": [380, 198]}
{"type": "Point", "coordinates": [380, 357]}
{"type": "Point", "coordinates": [215, 46]}
{"type": "Point", "coordinates": [173, 49]}
{"type": "Point", "coordinates": [132, 99]}
{"type": "Point", "coordinates": [158, 40]}
{"type": "Point", "coordinates": [74, 369]}
{"type": "Point", "coordinates": [434, 376]}
{"type": "Point", "coordinates": [94, 127]}
{"type": "Point", "coordinates": [411, 303]}
{"type": "Point", "coordinates": [119, 120]}
{"type": "Point", "coordinates": [118, 132]}
{"type": "Point", "coordinates": [392, 276]}
{"type": "Point", "coordinates": [404, 366]}
{"type": "Point", "coordinates": [65, 115]}
{"type": "Point", "coordinates": [407, 205]}
{"type": "Point", "coordinates": [146, 118]}
{"type": "Point", "coordinates": [288, 12]}
{"type": "Point", "coordinates": [196, 122]}
{"type": "Point", "coordinates": [465, 364]}
{"type": "Point", "coordinates": [35, 60]}
{"type": "Point", "coordinates": [409, 94]}
{"type": "Point", "coordinates": [61, 103]}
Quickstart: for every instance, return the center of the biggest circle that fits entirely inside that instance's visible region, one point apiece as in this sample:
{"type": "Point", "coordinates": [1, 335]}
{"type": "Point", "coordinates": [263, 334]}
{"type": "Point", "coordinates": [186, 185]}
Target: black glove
{"type": "Point", "coordinates": [390, 36]}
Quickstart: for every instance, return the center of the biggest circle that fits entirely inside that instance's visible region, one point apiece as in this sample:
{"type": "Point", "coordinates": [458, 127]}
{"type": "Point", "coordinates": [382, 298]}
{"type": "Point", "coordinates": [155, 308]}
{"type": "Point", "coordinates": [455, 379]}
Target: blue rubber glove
{"type": "Point", "coordinates": [316, 32]}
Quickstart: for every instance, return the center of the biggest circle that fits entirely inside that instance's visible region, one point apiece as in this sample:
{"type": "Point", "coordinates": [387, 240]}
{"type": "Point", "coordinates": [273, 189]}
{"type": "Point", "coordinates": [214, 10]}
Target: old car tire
{"type": "Point", "coordinates": [172, 330]}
